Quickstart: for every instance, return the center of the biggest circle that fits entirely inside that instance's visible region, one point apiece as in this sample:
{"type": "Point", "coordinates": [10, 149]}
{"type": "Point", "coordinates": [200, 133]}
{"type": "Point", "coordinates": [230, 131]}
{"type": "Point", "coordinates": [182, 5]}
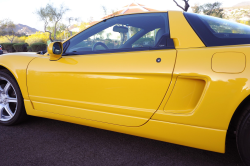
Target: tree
{"type": "Point", "coordinates": [185, 8]}
{"type": "Point", "coordinates": [196, 8]}
{"type": "Point", "coordinates": [61, 27]}
{"type": "Point", "coordinates": [108, 35]}
{"type": "Point", "coordinates": [7, 28]}
{"type": "Point", "coordinates": [104, 10]}
{"type": "Point", "coordinates": [44, 15]}
{"type": "Point", "coordinates": [83, 25]}
{"type": "Point", "coordinates": [238, 14]}
{"type": "Point", "coordinates": [70, 19]}
{"type": "Point", "coordinates": [2, 28]}
{"type": "Point", "coordinates": [58, 30]}
{"type": "Point", "coordinates": [211, 9]}
{"type": "Point", "coordinates": [100, 34]}
{"type": "Point", "coordinates": [56, 14]}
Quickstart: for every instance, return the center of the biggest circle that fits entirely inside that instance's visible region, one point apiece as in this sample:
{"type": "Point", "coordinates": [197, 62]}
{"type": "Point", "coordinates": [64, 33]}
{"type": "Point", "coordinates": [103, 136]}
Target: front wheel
{"type": "Point", "coordinates": [243, 137]}
{"type": "Point", "coordinates": [11, 101]}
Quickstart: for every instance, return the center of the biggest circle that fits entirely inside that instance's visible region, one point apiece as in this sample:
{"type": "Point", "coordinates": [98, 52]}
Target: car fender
{"type": "Point", "coordinates": [17, 64]}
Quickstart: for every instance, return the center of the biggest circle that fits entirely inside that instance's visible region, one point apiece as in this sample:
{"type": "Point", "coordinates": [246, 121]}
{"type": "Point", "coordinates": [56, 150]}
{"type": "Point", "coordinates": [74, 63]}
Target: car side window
{"type": "Point", "coordinates": [118, 34]}
{"type": "Point", "coordinates": [150, 39]}
{"type": "Point", "coordinates": [110, 38]}
{"type": "Point", "coordinates": [218, 32]}
{"type": "Point", "coordinates": [224, 28]}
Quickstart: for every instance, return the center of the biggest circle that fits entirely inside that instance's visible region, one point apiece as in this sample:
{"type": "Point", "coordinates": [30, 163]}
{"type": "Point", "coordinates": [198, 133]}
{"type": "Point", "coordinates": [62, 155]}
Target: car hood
{"type": "Point", "coordinates": [18, 60]}
{"type": "Point", "coordinates": [32, 54]}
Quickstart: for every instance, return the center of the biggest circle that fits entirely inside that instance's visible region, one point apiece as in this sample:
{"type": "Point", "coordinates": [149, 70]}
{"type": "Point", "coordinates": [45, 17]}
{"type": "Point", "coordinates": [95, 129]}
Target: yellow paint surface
{"type": "Point", "coordinates": [228, 62]}
{"type": "Point", "coordinates": [185, 95]}
{"type": "Point", "coordinates": [182, 33]}
{"type": "Point", "coordinates": [129, 85]}
{"type": "Point", "coordinates": [193, 136]}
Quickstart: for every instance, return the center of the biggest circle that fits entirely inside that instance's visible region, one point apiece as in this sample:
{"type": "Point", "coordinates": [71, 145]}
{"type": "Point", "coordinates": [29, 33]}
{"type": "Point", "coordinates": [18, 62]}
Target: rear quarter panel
{"type": "Point", "coordinates": [222, 94]}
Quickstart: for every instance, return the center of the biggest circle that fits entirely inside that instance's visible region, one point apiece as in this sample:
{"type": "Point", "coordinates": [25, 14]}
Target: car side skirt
{"type": "Point", "coordinates": [187, 135]}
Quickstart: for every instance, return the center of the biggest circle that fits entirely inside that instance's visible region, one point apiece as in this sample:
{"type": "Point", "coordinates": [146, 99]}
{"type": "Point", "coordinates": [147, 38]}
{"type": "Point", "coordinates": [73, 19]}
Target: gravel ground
{"type": "Point", "coordinates": [42, 141]}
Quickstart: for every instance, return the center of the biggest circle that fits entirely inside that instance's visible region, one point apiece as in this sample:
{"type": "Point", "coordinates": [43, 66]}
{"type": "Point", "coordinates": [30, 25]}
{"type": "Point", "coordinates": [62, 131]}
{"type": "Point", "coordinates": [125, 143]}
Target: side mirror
{"type": "Point", "coordinates": [55, 50]}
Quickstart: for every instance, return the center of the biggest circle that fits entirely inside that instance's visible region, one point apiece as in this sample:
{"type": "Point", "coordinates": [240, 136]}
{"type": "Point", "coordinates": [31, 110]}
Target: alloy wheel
{"type": "Point", "coordinates": [8, 100]}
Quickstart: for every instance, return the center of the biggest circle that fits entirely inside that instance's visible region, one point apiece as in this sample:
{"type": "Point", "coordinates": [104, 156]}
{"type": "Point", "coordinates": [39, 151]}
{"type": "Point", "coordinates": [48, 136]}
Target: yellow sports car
{"type": "Point", "coordinates": [171, 76]}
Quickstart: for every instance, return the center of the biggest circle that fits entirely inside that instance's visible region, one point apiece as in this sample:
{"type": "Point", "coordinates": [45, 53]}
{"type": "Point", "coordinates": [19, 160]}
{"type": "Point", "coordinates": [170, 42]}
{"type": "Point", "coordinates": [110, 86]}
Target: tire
{"type": "Point", "coordinates": [243, 137]}
{"type": "Point", "coordinates": [12, 109]}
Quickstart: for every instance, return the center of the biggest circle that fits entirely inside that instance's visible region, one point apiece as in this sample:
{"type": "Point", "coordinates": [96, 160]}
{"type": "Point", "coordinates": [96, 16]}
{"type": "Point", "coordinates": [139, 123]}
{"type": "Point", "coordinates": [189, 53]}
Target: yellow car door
{"type": "Point", "coordinates": [122, 84]}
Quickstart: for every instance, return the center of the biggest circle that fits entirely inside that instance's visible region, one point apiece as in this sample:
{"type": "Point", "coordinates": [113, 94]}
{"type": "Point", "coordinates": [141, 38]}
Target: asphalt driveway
{"type": "Point", "coordinates": [42, 141]}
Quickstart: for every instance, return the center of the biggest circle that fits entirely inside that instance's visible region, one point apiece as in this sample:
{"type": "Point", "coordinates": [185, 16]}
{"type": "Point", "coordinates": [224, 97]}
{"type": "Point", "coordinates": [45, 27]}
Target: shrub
{"type": "Point", "coordinates": [2, 45]}
{"type": "Point", "coordinates": [20, 47]}
{"type": "Point", "coordinates": [38, 37]}
{"type": "Point", "coordinates": [38, 47]}
{"type": "Point", "coordinates": [22, 39]}
{"type": "Point", "coordinates": [9, 47]}
{"type": "Point", "coordinates": [29, 49]}
{"type": "Point", "coordinates": [31, 41]}
{"type": "Point", "coordinates": [4, 39]}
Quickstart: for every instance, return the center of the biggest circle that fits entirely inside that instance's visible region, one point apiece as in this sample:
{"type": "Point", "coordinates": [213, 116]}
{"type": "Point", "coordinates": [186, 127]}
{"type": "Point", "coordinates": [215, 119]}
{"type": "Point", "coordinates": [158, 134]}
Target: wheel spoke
{"type": "Point", "coordinates": [1, 89]}
{"type": "Point", "coordinates": [8, 110]}
{"type": "Point", "coordinates": [1, 111]}
{"type": "Point", "coordinates": [11, 100]}
{"type": "Point", "coordinates": [8, 100]}
{"type": "Point", "coordinates": [6, 88]}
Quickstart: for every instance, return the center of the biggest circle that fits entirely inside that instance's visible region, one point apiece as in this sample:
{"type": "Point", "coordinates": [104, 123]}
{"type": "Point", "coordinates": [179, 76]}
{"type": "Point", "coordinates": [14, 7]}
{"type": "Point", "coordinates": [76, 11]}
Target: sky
{"type": "Point", "coordinates": [23, 11]}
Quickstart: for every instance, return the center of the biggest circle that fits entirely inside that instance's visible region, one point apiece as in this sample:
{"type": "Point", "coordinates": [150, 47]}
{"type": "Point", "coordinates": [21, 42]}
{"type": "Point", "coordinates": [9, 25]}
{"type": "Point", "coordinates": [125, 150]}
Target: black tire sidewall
{"type": "Point", "coordinates": [243, 139]}
{"type": "Point", "coordinates": [16, 118]}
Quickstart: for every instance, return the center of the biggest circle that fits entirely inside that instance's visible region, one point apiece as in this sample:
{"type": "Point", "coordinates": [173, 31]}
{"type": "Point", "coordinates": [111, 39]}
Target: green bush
{"type": "Point", "coordinates": [38, 47]}
{"type": "Point", "coordinates": [20, 47]}
{"type": "Point", "coordinates": [29, 49]}
{"type": "Point", "coordinates": [9, 47]}
{"type": "Point", "coordinates": [2, 44]}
